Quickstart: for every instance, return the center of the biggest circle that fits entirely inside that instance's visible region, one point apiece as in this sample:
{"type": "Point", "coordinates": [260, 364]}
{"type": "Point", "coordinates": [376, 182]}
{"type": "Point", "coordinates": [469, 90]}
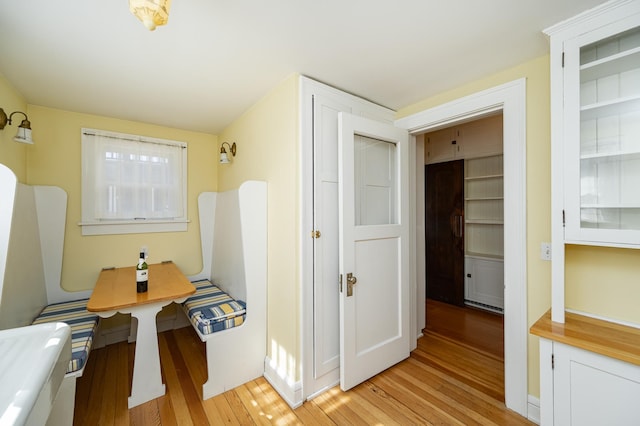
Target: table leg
{"type": "Point", "coordinates": [147, 378]}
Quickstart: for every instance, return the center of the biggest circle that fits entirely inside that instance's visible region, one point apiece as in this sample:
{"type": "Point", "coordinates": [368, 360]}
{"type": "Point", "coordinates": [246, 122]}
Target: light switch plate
{"type": "Point", "coordinates": [545, 251]}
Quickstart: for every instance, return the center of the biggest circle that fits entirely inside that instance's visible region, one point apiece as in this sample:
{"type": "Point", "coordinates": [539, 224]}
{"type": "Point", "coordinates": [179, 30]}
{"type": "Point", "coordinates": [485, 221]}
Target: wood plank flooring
{"type": "Point", "coordinates": [443, 382]}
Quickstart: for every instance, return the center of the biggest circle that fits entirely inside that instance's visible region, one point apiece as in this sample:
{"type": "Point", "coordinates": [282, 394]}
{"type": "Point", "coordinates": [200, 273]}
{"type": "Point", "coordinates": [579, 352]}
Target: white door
{"type": "Point", "coordinates": [374, 247]}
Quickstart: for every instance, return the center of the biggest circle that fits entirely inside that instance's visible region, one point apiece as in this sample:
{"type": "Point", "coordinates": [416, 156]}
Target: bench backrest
{"type": "Point", "coordinates": [32, 226]}
{"type": "Point", "coordinates": [233, 233]}
{"type": "Point", "coordinates": [22, 287]}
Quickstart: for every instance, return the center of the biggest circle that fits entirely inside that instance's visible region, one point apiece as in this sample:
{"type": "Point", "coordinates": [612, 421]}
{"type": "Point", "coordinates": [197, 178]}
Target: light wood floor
{"type": "Point", "coordinates": [443, 382]}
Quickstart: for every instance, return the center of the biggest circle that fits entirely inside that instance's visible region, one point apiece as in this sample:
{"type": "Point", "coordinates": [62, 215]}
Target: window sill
{"type": "Point", "coordinates": [133, 227]}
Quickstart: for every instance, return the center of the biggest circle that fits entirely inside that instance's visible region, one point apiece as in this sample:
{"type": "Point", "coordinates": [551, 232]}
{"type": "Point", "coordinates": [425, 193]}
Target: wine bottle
{"type": "Point", "coordinates": [142, 274]}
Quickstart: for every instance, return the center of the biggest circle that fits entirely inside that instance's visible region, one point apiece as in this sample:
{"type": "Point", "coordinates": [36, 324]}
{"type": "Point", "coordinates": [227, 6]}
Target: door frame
{"type": "Point", "coordinates": [510, 98]}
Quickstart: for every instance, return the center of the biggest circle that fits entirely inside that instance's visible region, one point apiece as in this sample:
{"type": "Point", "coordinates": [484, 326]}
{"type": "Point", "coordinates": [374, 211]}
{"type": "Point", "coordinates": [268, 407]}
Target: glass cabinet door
{"type": "Point", "coordinates": [602, 112]}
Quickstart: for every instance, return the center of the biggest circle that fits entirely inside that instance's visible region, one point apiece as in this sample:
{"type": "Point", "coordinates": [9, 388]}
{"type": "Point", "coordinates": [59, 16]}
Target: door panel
{"type": "Point", "coordinates": [326, 315]}
{"type": "Point", "coordinates": [374, 243]}
{"type": "Point", "coordinates": [445, 231]}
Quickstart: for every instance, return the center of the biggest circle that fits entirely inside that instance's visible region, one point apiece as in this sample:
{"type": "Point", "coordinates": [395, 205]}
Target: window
{"type": "Point", "coordinates": [132, 184]}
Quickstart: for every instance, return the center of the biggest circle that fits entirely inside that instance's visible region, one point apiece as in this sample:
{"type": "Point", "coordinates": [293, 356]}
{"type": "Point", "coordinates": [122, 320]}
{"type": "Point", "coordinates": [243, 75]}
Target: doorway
{"type": "Point", "coordinates": [464, 213]}
{"type": "Point", "coordinates": [510, 98]}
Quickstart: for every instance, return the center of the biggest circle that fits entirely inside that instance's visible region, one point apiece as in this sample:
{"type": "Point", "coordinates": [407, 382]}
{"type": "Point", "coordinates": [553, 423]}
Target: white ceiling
{"type": "Point", "coordinates": [216, 58]}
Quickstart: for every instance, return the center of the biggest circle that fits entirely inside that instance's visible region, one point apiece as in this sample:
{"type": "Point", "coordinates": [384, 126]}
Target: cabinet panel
{"type": "Point", "coordinates": [484, 282]}
{"type": "Point", "coordinates": [591, 389]}
{"type": "Point", "coordinates": [482, 137]}
{"type": "Point", "coordinates": [478, 138]}
{"type": "Point", "coordinates": [441, 145]}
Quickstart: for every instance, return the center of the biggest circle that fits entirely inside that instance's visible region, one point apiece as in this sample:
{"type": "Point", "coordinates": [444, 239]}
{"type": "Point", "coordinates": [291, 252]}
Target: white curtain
{"type": "Point", "coordinates": [135, 179]}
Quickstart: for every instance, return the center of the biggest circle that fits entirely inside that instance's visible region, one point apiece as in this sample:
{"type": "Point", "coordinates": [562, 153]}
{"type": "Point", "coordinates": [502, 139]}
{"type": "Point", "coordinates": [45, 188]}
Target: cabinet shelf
{"type": "Point", "coordinates": [484, 222]}
{"type": "Point", "coordinates": [609, 206]}
{"type": "Point", "coordinates": [609, 108]}
{"type": "Point", "coordinates": [483, 177]}
{"type": "Point", "coordinates": [484, 198]}
{"type": "Point", "coordinates": [614, 64]}
{"type": "Point", "coordinates": [479, 255]}
{"type": "Point", "coordinates": [613, 155]}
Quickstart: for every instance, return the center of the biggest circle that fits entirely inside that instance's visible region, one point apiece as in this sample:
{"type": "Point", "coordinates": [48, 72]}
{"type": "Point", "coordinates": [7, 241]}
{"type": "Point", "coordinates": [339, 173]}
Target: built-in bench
{"type": "Point", "coordinates": [32, 226]}
{"type": "Point", "coordinates": [83, 324]}
{"type": "Point", "coordinates": [230, 316]}
{"type": "Point", "coordinates": [210, 309]}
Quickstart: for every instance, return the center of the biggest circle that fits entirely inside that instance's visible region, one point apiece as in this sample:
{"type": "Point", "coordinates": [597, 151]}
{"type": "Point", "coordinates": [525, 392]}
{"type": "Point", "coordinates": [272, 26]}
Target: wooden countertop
{"type": "Point", "coordinates": [602, 337]}
{"type": "Point", "coordinates": [116, 288]}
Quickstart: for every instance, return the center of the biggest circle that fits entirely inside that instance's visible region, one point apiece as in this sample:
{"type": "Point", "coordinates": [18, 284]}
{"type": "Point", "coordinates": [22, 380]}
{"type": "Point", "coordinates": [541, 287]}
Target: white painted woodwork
{"type": "Point", "coordinates": [588, 389]}
{"type": "Point", "coordinates": [374, 318]}
{"type": "Point", "coordinates": [233, 229]}
{"type": "Point", "coordinates": [595, 107]}
{"type": "Point", "coordinates": [320, 333]}
{"type": "Point", "coordinates": [477, 138]}
{"type": "Point", "coordinates": [484, 282]}
{"type": "Point", "coordinates": [484, 206]}
{"type": "Point", "coordinates": [511, 99]}
{"type": "Point", "coordinates": [440, 146]}
{"type": "Point", "coordinates": [326, 340]}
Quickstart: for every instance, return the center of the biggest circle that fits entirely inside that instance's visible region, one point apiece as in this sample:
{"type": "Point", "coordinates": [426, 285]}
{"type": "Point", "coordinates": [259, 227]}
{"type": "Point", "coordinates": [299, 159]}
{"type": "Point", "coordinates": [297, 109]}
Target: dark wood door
{"type": "Point", "coordinates": [445, 231]}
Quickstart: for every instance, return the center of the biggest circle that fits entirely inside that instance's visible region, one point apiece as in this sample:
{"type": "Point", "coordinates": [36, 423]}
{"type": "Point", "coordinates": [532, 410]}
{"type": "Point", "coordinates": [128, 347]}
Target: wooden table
{"type": "Point", "coordinates": [115, 291]}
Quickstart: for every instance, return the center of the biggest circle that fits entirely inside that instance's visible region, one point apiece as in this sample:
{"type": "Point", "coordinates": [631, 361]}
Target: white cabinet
{"type": "Point", "coordinates": [600, 126]}
{"type": "Point", "coordinates": [484, 283]}
{"type": "Point", "coordinates": [442, 145]}
{"type": "Point", "coordinates": [589, 372]}
{"type": "Point", "coordinates": [478, 138]}
{"type": "Point", "coordinates": [593, 390]}
{"type": "Point", "coordinates": [595, 134]}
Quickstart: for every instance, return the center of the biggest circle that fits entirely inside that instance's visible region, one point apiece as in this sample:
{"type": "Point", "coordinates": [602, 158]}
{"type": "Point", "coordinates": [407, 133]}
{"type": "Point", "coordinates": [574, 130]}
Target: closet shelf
{"type": "Point", "coordinates": [484, 198]}
{"type": "Point", "coordinates": [484, 222]}
{"type": "Point", "coordinates": [483, 177]}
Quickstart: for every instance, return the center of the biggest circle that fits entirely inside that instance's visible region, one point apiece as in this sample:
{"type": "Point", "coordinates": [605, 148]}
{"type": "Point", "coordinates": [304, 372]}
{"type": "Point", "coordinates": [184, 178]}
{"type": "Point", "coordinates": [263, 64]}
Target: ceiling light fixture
{"type": "Point", "coordinates": [24, 129]}
{"type": "Point", "coordinates": [224, 158]}
{"type": "Point", "coordinates": [151, 13]}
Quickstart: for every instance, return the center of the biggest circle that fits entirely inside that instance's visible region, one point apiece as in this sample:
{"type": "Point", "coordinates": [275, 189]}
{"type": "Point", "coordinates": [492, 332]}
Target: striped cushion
{"type": "Point", "coordinates": [211, 309]}
{"type": "Point", "coordinates": [83, 327]}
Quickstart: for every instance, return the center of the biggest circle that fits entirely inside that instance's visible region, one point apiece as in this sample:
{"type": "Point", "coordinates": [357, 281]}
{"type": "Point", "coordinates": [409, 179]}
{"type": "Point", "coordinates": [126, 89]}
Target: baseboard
{"type": "Point", "coordinates": [289, 390]}
{"type": "Point", "coordinates": [533, 409]}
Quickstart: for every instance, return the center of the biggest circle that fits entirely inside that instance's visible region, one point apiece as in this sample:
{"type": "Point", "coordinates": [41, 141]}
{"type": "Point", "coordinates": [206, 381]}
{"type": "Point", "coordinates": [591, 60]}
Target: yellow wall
{"type": "Point", "coordinates": [13, 154]}
{"type": "Point", "coordinates": [603, 281]}
{"type": "Point", "coordinates": [55, 159]}
{"type": "Point", "coordinates": [538, 151]}
{"type": "Point", "coordinates": [267, 140]}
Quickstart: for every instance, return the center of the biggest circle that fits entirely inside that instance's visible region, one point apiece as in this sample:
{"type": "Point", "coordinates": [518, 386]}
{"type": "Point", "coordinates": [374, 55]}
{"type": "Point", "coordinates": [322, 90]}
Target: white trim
{"type": "Point", "coordinates": [133, 227]}
{"type": "Point", "coordinates": [511, 99]}
{"type": "Point", "coordinates": [288, 389]}
{"type": "Point", "coordinates": [533, 413]}
{"type": "Point", "coordinates": [575, 25]}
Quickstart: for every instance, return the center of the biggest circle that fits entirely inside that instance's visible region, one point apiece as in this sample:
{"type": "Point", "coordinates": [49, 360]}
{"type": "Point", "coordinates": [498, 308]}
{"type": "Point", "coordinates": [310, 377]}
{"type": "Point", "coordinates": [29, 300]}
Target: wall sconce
{"type": "Point", "coordinates": [224, 158]}
{"type": "Point", "coordinates": [24, 129]}
{"type": "Point", "coordinates": [151, 13]}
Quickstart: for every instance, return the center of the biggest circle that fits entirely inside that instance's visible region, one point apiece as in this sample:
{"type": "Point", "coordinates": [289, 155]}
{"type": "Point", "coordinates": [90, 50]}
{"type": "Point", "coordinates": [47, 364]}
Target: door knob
{"type": "Point", "coordinates": [351, 281]}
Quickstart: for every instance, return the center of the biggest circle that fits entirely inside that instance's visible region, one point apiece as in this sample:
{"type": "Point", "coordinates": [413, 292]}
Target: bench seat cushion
{"type": "Point", "coordinates": [211, 309]}
{"type": "Point", "coordinates": [83, 328]}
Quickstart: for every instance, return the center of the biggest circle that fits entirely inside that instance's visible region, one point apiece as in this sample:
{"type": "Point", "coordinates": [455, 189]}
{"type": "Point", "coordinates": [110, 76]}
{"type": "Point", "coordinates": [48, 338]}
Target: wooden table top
{"type": "Point", "coordinates": [116, 288]}
{"type": "Point", "coordinates": [602, 337]}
